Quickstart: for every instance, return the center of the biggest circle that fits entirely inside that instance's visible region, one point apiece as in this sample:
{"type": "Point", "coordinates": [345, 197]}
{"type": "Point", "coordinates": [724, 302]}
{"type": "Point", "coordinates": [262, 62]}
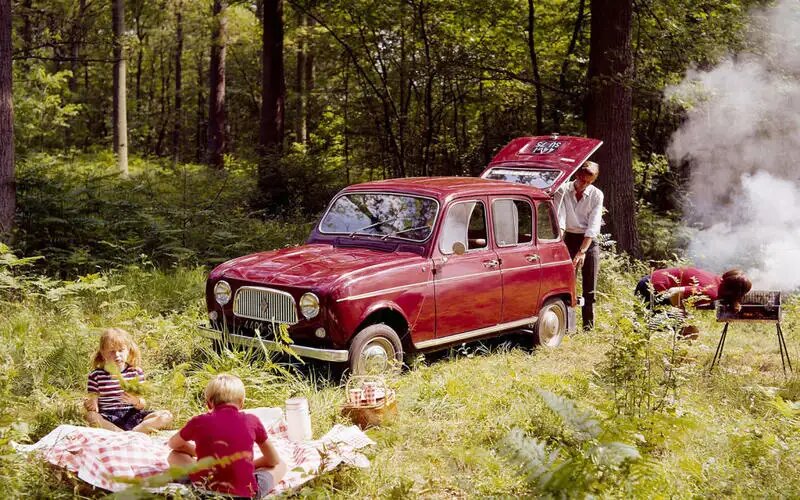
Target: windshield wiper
{"type": "Point", "coordinates": [377, 224]}
{"type": "Point", "coordinates": [401, 231]}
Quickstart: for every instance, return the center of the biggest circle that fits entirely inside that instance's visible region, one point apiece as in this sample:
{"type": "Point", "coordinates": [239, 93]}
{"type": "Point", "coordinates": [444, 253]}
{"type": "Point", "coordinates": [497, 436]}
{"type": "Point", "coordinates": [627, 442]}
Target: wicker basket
{"type": "Point", "coordinates": [370, 415]}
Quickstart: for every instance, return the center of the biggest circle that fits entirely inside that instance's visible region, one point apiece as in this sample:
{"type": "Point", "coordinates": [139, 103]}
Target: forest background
{"type": "Point", "coordinates": [333, 93]}
{"type": "Point", "coordinates": [142, 142]}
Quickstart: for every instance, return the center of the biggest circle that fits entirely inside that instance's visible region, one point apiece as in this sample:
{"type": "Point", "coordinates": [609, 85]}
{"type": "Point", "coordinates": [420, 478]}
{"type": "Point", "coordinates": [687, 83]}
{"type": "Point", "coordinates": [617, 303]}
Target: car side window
{"type": "Point", "coordinates": [546, 223]}
{"type": "Point", "coordinates": [512, 221]}
{"type": "Point", "coordinates": [465, 223]}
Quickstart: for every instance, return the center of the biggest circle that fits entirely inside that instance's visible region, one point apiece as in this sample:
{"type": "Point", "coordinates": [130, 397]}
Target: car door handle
{"type": "Point", "coordinates": [532, 257]}
{"type": "Point", "coordinates": [491, 263]}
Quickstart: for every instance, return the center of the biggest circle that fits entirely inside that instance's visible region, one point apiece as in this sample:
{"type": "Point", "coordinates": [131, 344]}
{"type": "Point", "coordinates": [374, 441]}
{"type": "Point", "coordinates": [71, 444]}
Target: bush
{"type": "Point", "coordinates": [81, 215]}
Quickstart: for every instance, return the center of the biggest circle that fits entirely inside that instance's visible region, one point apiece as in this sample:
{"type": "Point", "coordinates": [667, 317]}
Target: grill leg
{"type": "Point", "coordinates": [720, 346]}
{"type": "Point", "coordinates": [784, 350]}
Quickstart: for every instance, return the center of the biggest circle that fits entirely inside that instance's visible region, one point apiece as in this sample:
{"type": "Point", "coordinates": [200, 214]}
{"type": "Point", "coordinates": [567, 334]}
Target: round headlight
{"type": "Point", "coordinates": [309, 305]}
{"type": "Point", "coordinates": [222, 292]}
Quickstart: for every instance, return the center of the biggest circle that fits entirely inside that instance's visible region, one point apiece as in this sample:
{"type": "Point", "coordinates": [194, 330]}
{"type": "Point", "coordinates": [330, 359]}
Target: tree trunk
{"type": "Point", "coordinates": [301, 130]}
{"type": "Point", "coordinates": [76, 40]}
{"type": "Point", "coordinates": [120, 114]}
{"type": "Point", "coordinates": [558, 109]}
{"type": "Point", "coordinates": [176, 131]}
{"type": "Point", "coordinates": [537, 80]}
{"type": "Point", "coordinates": [273, 86]}
{"type": "Point", "coordinates": [609, 113]}
{"type": "Point", "coordinates": [27, 31]}
{"type": "Point", "coordinates": [8, 186]}
{"type": "Point", "coordinates": [273, 97]}
{"type": "Point", "coordinates": [217, 136]}
{"type": "Point", "coordinates": [346, 117]}
{"type": "Point", "coordinates": [427, 143]}
{"type": "Point", "coordinates": [308, 73]}
{"type": "Point", "coordinates": [200, 125]}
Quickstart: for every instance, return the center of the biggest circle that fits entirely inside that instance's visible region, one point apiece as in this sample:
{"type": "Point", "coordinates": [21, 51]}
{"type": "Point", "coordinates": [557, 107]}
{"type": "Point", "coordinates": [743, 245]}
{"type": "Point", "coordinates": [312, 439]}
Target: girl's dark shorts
{"type": "Point", "coordinates": [125, 419]}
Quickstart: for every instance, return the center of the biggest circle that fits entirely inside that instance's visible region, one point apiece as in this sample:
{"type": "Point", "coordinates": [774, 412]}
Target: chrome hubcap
{"type": "Point", "coordinates": [377, 356]}
{"type": "Point", "coordinates": [551, 326]}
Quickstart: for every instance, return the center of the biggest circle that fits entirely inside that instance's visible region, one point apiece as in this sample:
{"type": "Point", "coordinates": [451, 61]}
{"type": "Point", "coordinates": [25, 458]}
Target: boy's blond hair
{"type": "Point", "coordinates": [117, 338]}
{"type": "Point", "coordinates": [225, 388]}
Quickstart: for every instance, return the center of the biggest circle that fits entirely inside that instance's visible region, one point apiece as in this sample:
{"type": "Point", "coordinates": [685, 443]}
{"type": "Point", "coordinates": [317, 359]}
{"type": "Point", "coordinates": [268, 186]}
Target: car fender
{"type": "Point", "coordinates": [381, 305]}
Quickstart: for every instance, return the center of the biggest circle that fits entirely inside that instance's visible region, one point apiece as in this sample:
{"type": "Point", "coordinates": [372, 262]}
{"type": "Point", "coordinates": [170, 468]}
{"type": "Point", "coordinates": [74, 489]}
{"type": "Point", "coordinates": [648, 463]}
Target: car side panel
{"type": "Point", "coordinates": [557, 273]}
{"type": "Point", "coordinates": [408, 290]}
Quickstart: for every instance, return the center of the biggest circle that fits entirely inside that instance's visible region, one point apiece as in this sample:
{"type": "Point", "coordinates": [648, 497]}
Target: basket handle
{"type": "Point", "coordinates": [358, 380]}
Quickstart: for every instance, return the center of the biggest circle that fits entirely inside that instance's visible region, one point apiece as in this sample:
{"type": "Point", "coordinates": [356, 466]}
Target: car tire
{"type": "Point", "coordinates": [551, 326]}
{"type": "Point", "coordinates": [376, 350]}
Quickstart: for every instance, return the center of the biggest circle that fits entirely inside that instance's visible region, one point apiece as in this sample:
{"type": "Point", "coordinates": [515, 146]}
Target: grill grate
{"type": "Point", "coordinates": [758, 305]}
{"type": "Point", "coordinates": [265, 304]}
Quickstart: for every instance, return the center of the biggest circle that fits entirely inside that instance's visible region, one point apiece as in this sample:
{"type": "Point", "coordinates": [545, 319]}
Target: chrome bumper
{"type": "Point", "coordinates": [333, 355]}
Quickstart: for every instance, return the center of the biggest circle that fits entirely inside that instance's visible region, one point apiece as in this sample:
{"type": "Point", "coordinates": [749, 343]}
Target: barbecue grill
{"type": "Point", "coordinates": [757, 306]}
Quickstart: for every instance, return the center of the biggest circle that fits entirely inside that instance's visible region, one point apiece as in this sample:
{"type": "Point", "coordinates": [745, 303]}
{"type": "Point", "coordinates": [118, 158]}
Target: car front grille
{"type": "Point", "coordinates": [265, 304]}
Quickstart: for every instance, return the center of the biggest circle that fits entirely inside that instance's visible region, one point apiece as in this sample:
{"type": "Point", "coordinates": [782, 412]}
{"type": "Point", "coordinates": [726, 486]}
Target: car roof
{"type": "Point", "coordinates": [444, 187]}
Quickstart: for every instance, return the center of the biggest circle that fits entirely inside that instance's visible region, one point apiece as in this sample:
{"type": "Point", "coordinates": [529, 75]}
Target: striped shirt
{"type": "Point", "coordinates": [109, 390]}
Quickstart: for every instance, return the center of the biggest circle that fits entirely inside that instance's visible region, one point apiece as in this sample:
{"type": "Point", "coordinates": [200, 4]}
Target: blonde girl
{"type": "Point", "coordinates": [117, 362]}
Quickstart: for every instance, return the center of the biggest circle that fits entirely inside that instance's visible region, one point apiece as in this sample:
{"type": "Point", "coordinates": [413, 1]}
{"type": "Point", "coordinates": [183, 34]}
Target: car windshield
{"type": "Point", "coordinates": [381, 214]}
{"type": "Point", "coordinates": [538, 178]}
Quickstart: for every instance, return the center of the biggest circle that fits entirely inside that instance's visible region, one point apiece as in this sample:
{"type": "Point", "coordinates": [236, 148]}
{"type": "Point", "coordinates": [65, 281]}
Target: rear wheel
{"type": "Point", "coordinates": [376, 350]}
{"type": "Point", "coordinates": [551, 326]}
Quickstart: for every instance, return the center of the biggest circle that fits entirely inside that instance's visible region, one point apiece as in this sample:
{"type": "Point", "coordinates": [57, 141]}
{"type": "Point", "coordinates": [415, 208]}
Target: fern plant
{"type": "Point", "coordinates": [642, 367]}
{"type": "Point", "coordinates": [585, 458]}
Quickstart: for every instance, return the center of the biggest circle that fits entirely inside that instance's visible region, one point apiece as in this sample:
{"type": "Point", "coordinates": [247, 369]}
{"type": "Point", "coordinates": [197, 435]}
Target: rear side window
{"type": "Point", "coordinates": [546, 224]}
{"type": "Point", "coordinates": [512, 221]}
{"type": "Point", "coordinates": [465, 222]}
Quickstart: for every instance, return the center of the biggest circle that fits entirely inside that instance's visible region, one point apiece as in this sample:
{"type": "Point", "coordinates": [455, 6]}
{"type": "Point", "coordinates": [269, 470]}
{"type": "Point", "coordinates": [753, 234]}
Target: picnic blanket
{"type": "Point", "coordinates": [98, 456]}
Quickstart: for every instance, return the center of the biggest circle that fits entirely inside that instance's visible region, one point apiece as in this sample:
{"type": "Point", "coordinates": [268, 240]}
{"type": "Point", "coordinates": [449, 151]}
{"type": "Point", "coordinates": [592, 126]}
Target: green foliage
{"type": "Point", "coordinates": [642, 367]}
{"type": "Point", "coordinates": [42, 110]}
{"type": "Point", "coordinates": [82, 216]}
{"type": "Point", "coordinates": [581, 461]}
{"type": "Point", "coordinates": [661, 234]}
{"type": "Point", "coordinates": [485, 421]}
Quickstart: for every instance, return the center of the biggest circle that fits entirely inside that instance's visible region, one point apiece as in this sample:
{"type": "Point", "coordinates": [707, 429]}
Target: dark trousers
{"type": "Point", "coordinates": [588, 274]}
{"type": "Point", "coordinates": [643, 291]}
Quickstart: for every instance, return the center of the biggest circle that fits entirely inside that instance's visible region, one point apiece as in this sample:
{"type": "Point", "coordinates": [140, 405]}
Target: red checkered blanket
{"type": "Point", "coordinates": [99, 456]}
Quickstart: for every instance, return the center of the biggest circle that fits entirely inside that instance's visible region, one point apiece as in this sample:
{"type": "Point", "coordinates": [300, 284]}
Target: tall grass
{"type": "Point", "coordinates": [471, 423]}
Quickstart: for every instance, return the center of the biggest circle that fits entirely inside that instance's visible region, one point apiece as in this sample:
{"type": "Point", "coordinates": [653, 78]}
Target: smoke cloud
{"type": "Point", "coordinates": [742, 141]}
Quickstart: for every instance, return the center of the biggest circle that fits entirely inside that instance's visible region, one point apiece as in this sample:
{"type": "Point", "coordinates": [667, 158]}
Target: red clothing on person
{"type": "Point", "coordinates": [701, 283]}
{"type": "Point", "coordinates": [221, 433]}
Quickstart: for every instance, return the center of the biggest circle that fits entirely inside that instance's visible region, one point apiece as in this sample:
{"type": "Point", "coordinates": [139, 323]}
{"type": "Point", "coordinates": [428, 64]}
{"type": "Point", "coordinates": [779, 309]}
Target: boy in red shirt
{"type": "Point", "coordinates": [225, 436]}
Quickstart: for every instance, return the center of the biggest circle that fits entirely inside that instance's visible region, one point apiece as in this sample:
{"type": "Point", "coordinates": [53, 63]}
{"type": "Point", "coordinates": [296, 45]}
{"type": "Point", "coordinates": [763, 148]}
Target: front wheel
{"type": "Point", "coordinates": [376, 350]}
{"type": "Point", "coordinates": [551, 326]}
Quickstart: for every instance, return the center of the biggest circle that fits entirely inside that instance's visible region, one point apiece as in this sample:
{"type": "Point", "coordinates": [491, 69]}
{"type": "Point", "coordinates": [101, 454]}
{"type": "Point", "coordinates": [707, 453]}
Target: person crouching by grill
{"type": "Point", "coordinates": [678, 286]}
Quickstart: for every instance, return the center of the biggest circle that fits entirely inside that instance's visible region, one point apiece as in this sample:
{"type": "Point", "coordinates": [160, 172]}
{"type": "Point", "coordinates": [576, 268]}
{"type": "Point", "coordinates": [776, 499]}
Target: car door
{"type": "Point", "coordinates": [467, 287]}
{"type": "Point", "coordinates": [512, 225]}
{"type": "Point", "coordinates": [557, 273]}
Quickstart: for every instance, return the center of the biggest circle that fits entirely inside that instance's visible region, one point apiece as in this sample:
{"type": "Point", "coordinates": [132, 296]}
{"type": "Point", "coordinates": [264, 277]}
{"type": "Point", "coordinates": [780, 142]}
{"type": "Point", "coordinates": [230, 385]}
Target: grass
{"type": "Point", "coordinates": [718, 434]}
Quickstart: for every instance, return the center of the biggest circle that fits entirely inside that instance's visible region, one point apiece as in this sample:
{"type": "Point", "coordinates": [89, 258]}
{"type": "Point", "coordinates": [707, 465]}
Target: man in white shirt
{"type": "Point", "coordinates": [580, 211]}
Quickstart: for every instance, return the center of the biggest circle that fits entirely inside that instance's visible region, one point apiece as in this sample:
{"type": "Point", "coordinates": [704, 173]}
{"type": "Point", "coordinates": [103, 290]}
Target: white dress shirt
{"type": "Point", "coordinates": [584, 216]}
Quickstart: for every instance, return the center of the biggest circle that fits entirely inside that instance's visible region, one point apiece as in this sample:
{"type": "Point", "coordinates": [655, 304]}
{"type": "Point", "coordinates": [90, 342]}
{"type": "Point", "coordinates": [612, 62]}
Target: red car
{"type": "Point", "coordinates": [414, 264]}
